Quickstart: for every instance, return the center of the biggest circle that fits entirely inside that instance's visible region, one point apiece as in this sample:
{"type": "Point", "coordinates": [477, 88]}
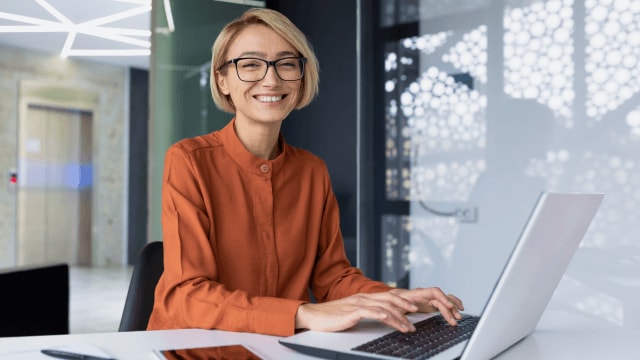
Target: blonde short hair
{"type": "Point", "coordinates": [283, 27]}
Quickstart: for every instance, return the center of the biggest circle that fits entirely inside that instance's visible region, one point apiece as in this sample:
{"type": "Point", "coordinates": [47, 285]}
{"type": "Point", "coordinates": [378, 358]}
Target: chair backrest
{"type": "Point", "coordinates": [140, 296]}
{"type": "Point", "coordinates": [35, 300]}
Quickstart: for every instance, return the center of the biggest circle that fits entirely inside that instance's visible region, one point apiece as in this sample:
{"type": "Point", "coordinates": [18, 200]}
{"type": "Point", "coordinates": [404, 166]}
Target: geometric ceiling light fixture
{"type": "Point", "coordinates": [114, 34]}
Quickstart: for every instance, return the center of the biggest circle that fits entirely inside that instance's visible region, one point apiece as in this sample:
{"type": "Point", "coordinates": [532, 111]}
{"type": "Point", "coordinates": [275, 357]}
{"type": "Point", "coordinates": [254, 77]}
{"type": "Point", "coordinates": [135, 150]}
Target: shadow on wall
{"type": "Point", "coordinates": [505, 194]}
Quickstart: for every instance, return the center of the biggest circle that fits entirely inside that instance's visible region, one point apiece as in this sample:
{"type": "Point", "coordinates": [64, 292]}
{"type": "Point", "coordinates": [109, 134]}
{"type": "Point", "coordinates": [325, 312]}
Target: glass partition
{"type": "Point", "coordinates": [181, 103]}
{"type": "Point", "coordinates": [488, 103]}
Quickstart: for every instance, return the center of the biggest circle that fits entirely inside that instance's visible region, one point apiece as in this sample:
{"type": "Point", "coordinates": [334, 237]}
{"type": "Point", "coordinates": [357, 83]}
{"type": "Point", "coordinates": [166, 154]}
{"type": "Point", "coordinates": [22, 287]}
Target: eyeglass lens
{"type": "Point", "coordinates": [254, 69]}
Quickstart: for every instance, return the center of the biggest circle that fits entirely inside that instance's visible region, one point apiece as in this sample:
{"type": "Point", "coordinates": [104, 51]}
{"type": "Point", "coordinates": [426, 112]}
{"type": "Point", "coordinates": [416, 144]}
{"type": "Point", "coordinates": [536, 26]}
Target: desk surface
{"type": "Point", "coordinates": [559, 335]}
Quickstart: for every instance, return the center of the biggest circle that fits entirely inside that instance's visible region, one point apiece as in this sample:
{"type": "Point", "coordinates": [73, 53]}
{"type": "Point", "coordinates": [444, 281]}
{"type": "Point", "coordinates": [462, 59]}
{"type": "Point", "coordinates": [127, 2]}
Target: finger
{"type": "Point", "coordinates": [418, 299]}
{"type": "Point", "coordinates": [387, 314]}
{"type": "Point", "coordinates": [448, 311]}
{"type": "Point", "coordinates": [396, 299]}
{"type": "Point", "coordinates": [456, 301]}
{"type": "Point", "coordinates": [396, 320]}
{"type": "Point", "coordinates": [406, 305]}
{"type": "Point", "coordinates": [449, 301]}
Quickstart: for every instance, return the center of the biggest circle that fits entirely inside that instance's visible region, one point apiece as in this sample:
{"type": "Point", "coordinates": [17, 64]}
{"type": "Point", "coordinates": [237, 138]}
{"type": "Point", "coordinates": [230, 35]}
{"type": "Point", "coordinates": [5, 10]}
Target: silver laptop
{"type": "Point", "coordinates": [539, 259]}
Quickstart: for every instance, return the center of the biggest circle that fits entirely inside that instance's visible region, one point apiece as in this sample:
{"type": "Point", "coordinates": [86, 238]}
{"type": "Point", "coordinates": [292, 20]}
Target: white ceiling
{"type": "Point", "coordinates": [51, 24]}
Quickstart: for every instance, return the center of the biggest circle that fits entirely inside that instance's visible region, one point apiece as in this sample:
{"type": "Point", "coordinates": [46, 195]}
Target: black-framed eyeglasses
{"type": "Point", "coordinates": [252, 69]}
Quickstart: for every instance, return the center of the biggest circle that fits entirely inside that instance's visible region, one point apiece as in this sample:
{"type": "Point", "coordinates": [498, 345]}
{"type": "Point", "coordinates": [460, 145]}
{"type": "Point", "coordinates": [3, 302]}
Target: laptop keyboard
{"type": "Point", "coordinates": [432, 335]}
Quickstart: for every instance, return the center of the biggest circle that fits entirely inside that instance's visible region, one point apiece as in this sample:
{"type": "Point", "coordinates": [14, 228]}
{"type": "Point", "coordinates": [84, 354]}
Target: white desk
{"type": "Point", "coordinates": [559, 336]}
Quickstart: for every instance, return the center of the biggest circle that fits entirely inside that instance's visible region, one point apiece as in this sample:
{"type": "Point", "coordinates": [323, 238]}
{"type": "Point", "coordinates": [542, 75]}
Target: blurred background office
{"type": "Point", "coordinates": [440, 122]}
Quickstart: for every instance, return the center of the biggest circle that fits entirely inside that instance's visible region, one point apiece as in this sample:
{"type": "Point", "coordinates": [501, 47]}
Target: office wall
{"type": "Point", "coordinates": [109, 141]}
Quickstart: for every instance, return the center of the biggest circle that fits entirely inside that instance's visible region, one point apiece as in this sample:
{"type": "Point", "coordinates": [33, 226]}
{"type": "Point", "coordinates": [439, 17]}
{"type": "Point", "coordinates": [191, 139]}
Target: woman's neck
{"type": "Point", "coordinates": [260, 139]}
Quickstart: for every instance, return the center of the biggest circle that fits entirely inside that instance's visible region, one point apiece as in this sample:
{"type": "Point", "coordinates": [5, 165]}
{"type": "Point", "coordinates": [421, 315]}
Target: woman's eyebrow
{"type": "Point", "coordinates": [252, 53]}
{"type": "Point", "coordinates": [287, 53]}
{"type": "Point", "coordinates": [263, 55]}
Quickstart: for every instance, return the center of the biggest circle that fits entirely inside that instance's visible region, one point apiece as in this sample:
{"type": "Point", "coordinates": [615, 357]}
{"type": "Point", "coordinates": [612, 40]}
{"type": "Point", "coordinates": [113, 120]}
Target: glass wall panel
{"type": "Point", "coordinates": [488, 103]}
{"type": "Point", "coordinates": [181, 103]}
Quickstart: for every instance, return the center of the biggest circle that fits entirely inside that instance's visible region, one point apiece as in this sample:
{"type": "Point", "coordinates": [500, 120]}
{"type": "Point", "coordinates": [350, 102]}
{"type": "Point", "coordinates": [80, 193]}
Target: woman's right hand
{"type": "Point", "coordinates": [387, 307]}
{"type": "Point", "coordinates": [337, 315]}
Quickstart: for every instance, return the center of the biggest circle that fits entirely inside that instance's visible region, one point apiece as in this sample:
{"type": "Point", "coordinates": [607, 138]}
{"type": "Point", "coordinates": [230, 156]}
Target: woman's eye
{"type": "Point", "coordinates": [250, 65]}
{"type": "Point", "coordinates": [288, 64]}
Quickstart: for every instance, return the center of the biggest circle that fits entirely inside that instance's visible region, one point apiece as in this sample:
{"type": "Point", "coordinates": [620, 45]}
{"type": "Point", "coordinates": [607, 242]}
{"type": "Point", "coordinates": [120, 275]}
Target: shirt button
{"type": "Point", "coordinates": [264, 168]}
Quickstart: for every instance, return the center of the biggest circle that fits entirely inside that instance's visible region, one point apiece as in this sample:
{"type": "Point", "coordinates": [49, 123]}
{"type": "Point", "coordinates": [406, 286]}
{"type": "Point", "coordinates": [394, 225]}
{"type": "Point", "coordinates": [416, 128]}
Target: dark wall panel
{"type": "Point", "coordinates": [138, 162]}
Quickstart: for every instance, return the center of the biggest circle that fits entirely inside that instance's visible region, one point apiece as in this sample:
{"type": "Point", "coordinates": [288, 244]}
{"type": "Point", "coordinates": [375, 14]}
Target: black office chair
{"type": "Point", "coordinates": [140, 296]}
{"type": "Point", "coordinates": [35, 300]}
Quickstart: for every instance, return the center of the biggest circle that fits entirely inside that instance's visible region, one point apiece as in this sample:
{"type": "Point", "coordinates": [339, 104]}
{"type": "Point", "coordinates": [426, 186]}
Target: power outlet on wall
{"type": "Point", "coordinates": [467, 215]}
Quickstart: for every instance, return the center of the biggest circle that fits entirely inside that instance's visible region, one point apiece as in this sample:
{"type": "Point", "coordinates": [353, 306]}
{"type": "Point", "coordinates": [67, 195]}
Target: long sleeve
{"type": "Point", "coordinates": [333, 276]}
{"type": "Point", "coordinates": [245, 238]}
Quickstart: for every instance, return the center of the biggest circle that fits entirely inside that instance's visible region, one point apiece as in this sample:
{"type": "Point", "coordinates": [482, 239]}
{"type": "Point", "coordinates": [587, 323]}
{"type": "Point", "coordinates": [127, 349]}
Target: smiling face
{"type": "Point", "coordinates": [271, 99]}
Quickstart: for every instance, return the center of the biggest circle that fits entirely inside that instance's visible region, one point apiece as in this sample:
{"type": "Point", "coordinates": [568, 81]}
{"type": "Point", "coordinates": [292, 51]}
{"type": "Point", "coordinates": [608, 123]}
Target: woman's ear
{"type": "Point", "coordinates": [222, 83]}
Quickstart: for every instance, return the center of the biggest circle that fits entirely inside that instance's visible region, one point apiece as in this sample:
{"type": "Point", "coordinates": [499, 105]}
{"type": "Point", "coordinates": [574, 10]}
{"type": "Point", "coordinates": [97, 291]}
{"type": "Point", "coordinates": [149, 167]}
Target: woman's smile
{"type": "Point", "coordinates": [269, 99]}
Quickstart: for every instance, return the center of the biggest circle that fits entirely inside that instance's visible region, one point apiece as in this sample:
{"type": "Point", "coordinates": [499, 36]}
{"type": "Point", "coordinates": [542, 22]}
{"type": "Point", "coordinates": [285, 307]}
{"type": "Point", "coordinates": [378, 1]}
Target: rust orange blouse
{"type": "Point", "coordinates": [245, 238]}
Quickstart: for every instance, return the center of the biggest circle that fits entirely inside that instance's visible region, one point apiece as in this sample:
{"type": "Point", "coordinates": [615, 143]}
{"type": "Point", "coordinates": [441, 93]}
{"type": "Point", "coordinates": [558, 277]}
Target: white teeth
{"type": "Point", "coordinates": [269, 98]}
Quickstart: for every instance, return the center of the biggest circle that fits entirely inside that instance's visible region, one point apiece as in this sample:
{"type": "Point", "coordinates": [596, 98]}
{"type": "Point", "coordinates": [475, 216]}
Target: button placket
{"type": "Point", "coordinates": [265, 222]}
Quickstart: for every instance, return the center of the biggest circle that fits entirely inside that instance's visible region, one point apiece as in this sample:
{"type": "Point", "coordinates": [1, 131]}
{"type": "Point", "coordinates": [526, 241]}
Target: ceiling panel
{"type": "Point", "coordinates": [98, 25]}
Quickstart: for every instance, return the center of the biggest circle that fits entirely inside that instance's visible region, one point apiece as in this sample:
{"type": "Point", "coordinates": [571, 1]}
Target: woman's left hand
{"type": "Point", "coordinates": [434, 299]}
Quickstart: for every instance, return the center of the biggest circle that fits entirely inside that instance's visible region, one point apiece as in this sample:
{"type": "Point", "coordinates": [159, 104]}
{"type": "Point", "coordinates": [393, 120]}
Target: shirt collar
{"type": "Point", "coordinates": [242, 156]}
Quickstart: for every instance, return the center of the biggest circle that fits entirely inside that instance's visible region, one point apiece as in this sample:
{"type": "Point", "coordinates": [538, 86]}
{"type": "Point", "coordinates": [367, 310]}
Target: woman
{"type": "Point", "coordinates": [250, 223]}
